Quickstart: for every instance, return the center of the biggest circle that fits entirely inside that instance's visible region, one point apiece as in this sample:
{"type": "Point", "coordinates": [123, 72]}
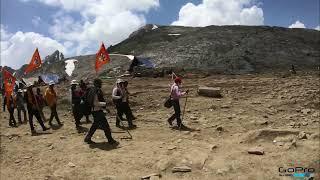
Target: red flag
{"type": "Point", "coordinates": [9, 82]}
{"type": "Point", "coordinates": [34, 63]}
{"type": "Point", "coordinates": [102, 57]}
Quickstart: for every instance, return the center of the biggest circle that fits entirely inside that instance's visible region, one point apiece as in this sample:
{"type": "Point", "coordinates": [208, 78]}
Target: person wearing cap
{"type": "Point", "coordinates": [19, 99]}
{"type": "Point", "coordinates": [126, 101]}
{"type": "Point", "coordinates": [98, 103]}
{"type": "Point", "coordinates": [75, 101]}
{"type": "Point", "coordinates": [119, 98]}
{"type": "Point", "coordinates": [33, 109]}
{"type": "Point", "coordinates": [83, 106]}
{"type": "Point", "coordinates": [10, 106]}
{"type": "Point", "coordinates": [176, 93]}
{"type": "Point", "coordinates": [50, 96]}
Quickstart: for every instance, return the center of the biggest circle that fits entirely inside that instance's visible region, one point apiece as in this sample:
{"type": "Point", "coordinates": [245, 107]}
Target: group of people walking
{"type": "Point", "coordinates": [85, 101]}
{"type": "Point", "coordinates": [34, 103]}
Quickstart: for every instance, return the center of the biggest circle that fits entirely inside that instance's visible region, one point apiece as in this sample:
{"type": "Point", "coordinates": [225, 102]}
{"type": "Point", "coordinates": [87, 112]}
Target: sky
{"type": "Point", "coordinates": [77, 27]}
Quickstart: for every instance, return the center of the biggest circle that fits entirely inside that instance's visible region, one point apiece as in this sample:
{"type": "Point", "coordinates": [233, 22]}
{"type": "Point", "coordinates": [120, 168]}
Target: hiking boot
{"type": "Point", "coordinates": [45, 128]}
{"type": "Point", "coordinates": [113, 142]}
{"type": "Point", "coordinates": [132, 126]}
{"type": "Point", "coordinates": [170, 122]}
{"type": "Point", "coordinates": [88, 140]}
{"type": "Point", "coordinates": [33, 132]}
{"type": "Point", "coordinates": [181, 126]}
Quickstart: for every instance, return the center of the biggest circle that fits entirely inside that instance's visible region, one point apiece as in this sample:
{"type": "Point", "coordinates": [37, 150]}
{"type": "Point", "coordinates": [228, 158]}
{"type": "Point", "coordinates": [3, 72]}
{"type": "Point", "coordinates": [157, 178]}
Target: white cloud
{"type": "Point", "coordinates": [36, 21]}
{"type": "Point", "coordinates": [110, 21]}
{"type": "Point", "coordinates": [220, 12]}
{"type": "Point", "coordinates": [4, 33]}
{"type": "Point", "coordinates": [317, 28]}
{"type": "Point", "coordinates": [17, 48]}
{"type": "Point", "coordinates": [297, 24]}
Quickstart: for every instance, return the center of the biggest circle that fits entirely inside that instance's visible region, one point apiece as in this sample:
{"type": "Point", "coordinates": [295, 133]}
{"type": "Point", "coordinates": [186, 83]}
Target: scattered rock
{"type": "Point", "coordinates": [294, 143]}
{"type": "Point", "coordinates": [225, 106]}
{"type": "Point", "coordinates": [315, 136]}
{"type": "Point", "coordinates": [63, 137]}
{"type": "Point", "coordinates": [154, 178]}
{"type": "Point", "coordinates": [47, 177]}
{"type": "Point", "coordinates": [27, 157]}
{"type": "Point", "coordinates": [172, 147]}
{"type": "Point", "coordinates": [222, 171]}
{"type": "Point", "coordinates": [302, 135]}
{"type": "Point", "coordinates": [210, 92]}
{"type": "Point", "coordinates": [315, 115]}
{"type": "Point", "coordinates": [181, 169]}
{"type": "Point", "coordinates": [220, 128]}
{"type": "Point", "coordinates": [17, 161]}
{"type": "Point", "coordinates": [306, 111]}
{"type": "Point", "coordinates": [256, 102]}
{"type": "Point", "coordinates": [70, 164]}
{"type": "Point", "coordinates": [304, 123]}
{"type": "Point", "coordinates": [186, 132]}
{"type": "Point", "coordinates": [265, 116]}
{"type": "Point", "coordinates": [263, 123]}
{"type": "Point", "coordinates": [151, 175]}
{"type": "Point", "coordinates": [179, 141]}
{"type": "Point", "coordinates": [212, 147]}
{"type": "Point", "coordinates": [193, 118]}
{"type": "Point", "coordinates": [108, 178]}
{"type": "Point", "coordinates": [256, 151]}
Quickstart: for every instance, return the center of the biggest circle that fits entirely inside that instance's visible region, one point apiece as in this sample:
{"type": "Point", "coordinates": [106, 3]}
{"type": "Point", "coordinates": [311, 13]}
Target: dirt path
{"type": "Point", "coordinates": [264, 111]}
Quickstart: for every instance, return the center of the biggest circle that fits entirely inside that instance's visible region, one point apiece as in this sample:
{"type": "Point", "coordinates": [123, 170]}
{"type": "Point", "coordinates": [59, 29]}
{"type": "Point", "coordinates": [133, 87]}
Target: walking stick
{"type": "Point", "coordinates": [184, 109]}
{"type": "Point", "coordinates": [125, 129]}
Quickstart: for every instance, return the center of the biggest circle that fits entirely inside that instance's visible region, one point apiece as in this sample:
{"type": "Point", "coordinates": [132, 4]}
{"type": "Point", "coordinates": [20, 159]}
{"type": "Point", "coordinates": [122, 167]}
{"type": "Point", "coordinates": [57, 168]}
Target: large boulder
{"type": "Point", "coordinates": [210, 92]}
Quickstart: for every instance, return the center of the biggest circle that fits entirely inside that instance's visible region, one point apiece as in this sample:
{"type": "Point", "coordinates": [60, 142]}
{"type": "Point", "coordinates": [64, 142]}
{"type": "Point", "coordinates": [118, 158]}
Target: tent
{"type": "Point", "coordinates": [46, 78]}
{"type": "Point", "coordinates": [142, 62]}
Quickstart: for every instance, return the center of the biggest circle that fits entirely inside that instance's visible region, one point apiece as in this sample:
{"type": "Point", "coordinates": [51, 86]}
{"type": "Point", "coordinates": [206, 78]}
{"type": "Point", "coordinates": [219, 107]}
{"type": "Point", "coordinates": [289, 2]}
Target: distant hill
{"type": "Point", "coordinates": [212, 49]}
{"type": "Point", "coordinates": [226, 49]}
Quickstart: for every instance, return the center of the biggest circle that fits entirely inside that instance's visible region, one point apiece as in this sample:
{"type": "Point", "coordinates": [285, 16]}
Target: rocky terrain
{"type": "Point", "coordinates": [275, 117]}
{"type": "Point", "coordinates": [265, 122]}
{"type": "Point", "coordinates": [226, 49]}
{"type": "Point", "coordinates": [211, 50]}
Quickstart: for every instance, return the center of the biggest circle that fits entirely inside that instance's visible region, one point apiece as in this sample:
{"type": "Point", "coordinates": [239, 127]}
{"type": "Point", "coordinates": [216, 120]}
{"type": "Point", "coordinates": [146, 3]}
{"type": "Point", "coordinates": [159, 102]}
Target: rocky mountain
{"type": "Point", "coordinates": [226, 49]}
{"type": "Point", "coordinates": [212, 49]}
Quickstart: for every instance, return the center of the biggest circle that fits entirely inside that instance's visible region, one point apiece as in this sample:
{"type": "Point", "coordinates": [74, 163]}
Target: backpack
{"type": "Point", "coordinates": [168, 101]}
{"type": "Point", "coordinates": [88, 99]}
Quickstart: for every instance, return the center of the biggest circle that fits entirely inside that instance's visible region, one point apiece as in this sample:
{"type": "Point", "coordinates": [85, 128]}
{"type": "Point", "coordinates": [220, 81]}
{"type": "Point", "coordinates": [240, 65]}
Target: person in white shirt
{"type": "Point", "coordinates": [120, 99]}
{"type": "Point", "coordinates": [99, 119]}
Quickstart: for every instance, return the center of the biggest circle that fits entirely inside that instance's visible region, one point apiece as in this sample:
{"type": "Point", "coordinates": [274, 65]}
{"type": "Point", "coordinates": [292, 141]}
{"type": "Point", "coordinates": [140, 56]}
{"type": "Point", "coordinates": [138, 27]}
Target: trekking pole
{"type": "Point", "coordinates": [125, 129]}
{"type": "Point", "coordinates": [184, 109]}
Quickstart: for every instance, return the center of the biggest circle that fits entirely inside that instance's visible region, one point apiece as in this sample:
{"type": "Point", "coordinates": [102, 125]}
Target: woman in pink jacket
{"type": "Point", "coordinates": [175, 96]}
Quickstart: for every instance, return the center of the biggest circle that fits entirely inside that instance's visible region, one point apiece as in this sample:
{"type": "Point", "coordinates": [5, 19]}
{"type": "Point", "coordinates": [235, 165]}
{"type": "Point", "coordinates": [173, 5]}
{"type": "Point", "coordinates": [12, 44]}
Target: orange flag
{"type": "Point", "coordinates": [9, 82]}
{"type": "Point", "coordinates": [34, 63]}
{"type": "Point", "coordinates": [102, 57]}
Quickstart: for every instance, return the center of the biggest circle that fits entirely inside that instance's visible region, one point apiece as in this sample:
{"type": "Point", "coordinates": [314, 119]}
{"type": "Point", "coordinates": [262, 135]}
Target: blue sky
{"type": "Point", "coordinates": [77, 27]}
